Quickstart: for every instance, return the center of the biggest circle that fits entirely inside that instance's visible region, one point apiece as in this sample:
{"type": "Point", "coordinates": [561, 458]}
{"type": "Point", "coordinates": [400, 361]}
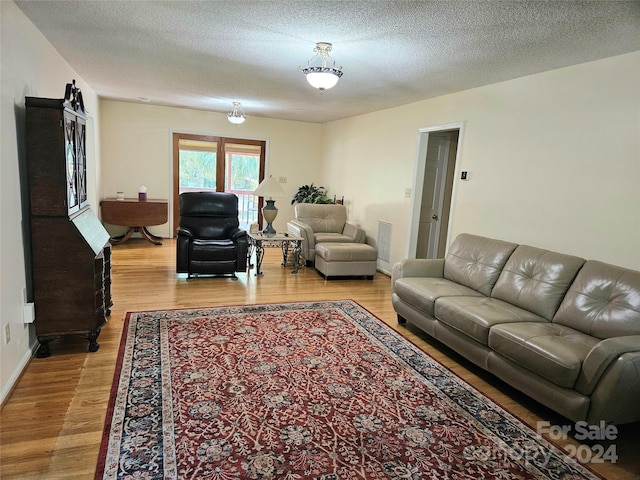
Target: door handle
{"type": "Point", "coordinates": [434, 216]}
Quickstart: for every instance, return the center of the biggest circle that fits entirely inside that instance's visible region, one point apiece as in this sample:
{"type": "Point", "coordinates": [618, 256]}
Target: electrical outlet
{"type": "Point", "coordinates": [282, 179]}
{"type": "Point", "coordinates": [407, 193]}
{"type": "Point", "coordinates": [7, 333]}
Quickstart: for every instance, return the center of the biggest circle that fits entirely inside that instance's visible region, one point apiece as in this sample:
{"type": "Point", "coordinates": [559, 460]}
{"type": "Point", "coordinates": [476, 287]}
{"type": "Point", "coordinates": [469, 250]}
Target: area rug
{"type": "Point", "coordinates": [321, 390]}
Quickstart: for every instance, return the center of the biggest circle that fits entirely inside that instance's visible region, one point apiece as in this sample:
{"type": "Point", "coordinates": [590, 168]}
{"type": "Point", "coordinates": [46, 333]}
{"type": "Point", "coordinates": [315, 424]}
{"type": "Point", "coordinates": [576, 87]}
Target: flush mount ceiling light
{"type": "Point", "coordinates": [322, 76]}
{"type": "Point", "coordinates": [236, 115]}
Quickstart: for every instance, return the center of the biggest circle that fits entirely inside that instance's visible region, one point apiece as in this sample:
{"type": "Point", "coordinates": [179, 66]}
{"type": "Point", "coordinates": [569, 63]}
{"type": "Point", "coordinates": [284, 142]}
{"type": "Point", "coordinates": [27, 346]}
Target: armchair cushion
{"type": "Point", "coordinates": [321, 217]}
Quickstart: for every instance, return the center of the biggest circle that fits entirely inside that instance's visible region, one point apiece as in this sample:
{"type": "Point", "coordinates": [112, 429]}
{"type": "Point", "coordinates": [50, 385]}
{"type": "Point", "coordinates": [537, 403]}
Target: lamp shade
{"type": "Point", "coordinates": [269, 187]}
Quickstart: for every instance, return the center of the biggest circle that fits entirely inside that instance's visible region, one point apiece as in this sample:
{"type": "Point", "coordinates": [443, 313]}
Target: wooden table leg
{"type": "Point", "coordinates": [149, 236]}
{"type": "Point", "coordinates": [122, 238]}
{"type": "Point", "coordinates": [142, 230]}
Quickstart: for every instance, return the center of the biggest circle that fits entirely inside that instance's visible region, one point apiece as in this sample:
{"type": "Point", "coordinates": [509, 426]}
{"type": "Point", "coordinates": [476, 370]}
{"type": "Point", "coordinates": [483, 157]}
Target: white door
{"type": "Point", "coordinates": [432, 195]}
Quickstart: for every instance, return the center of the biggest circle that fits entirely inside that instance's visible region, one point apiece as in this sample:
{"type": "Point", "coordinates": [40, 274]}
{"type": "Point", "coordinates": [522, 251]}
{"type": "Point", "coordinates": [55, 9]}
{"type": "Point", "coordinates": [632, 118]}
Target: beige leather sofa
{"type": "Point", "coordinates": [563, 330]}
{"type": "Point", "coordinates": [322, 223]}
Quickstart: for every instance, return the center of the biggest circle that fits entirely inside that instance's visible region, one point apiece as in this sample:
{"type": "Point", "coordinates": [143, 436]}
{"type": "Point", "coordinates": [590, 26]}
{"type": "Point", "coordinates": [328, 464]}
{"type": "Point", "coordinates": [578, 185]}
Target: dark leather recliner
{"type": "Point", "coordinates": [210, 241]}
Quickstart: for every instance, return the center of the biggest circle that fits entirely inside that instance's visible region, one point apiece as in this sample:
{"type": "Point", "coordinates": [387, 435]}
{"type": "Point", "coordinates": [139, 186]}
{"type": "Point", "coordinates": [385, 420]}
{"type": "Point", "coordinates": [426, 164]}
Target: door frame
{"type": "Point", "coordinates": [174, 217]}
{"type": "Point", "coordinates": [418, 179]}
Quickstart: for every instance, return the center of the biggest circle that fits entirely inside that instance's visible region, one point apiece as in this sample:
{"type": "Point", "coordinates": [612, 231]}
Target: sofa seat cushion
{"type": "Point", "coordinates": [553, 351]}
{"type": "Point", "coordinates": [213, 250]}
{"type": "Point", "coordinates": [475, 315]}
{"type": "Point", "coordinates": [329, 237]}
{"type": "Point", "coordinates": [422, 292]}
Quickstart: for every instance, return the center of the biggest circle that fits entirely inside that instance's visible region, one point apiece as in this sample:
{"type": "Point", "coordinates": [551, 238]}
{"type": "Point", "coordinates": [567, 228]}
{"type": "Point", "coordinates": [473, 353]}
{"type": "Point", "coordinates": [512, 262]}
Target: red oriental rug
{"type": "Point", "coordinates": [299, 391]}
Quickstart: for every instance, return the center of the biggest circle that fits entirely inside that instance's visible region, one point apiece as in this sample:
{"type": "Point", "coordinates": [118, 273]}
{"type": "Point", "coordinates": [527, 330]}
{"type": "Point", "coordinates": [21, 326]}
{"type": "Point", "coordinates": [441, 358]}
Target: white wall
{"type": "Point", "coordinates": [136, 144]}
{"type": "Point", "coordinates": [30, 67]}
{"type": "Point", "coordinates": [554, 161]}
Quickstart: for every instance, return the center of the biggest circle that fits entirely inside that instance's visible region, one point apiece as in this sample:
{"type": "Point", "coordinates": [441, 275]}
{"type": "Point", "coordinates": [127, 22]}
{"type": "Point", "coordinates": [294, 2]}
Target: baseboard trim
{"type": "Point", "coordinates": [17, 373]}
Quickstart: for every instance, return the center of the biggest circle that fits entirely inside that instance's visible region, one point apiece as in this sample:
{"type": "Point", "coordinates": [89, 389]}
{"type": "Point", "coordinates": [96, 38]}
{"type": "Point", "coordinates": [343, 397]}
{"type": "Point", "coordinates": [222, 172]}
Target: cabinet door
{"type": "Point", "coordinates": [81, 161]}
{"type": "Point", "coordinates": [73, 202]}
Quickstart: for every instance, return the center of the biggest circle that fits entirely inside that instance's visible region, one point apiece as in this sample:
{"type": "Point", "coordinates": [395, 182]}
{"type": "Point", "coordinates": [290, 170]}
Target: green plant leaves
{"type": "Point", "coordinates": [311, 194]}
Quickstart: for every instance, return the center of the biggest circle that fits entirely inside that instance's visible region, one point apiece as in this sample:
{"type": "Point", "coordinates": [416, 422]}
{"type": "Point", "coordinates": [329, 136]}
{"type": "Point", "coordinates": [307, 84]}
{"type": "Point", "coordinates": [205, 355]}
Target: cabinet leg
{"type": "Point", "coordinates": [43, 350]}
{"type": "Point", "coordinates": [93, 344]}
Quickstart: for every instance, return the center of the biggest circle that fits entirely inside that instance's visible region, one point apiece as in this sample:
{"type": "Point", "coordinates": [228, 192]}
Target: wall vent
{"type": "Point", "coordinates": [384, 240]}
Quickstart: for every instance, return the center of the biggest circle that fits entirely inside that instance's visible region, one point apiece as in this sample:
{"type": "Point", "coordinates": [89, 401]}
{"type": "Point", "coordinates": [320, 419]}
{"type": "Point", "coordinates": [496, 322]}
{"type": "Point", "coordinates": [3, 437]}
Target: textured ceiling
{"type": "Point", "coordinates": [207, 54]}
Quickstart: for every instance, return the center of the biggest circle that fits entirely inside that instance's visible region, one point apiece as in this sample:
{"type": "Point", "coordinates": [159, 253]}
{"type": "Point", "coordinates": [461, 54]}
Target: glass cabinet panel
{"type": "Point", "coordinates": [73, 203]}
{"type": "Point", "coordinates": [81, 162]}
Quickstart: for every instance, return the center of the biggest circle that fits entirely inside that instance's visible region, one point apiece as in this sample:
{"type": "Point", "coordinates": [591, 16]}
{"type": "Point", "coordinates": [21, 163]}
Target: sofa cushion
{"type": "Point", "coordinates": [474, 316]}
{"type": "Point", "coordinates": [346, 252]}
{"type": "Point", "coordinates": [553, 351]}
{"type": "Point", "coordinates": [536, 279]}
{"type": "Point", "coordinates": [328, 237]}
{"type": "Point", "coordinates": [213, 250]}
{"type": "Point", "coordinates": [422, 292]}
{"type": "Point", "coordinates": [603, 301]}
{"type": "Point", "coordinates": [322, 218]}
{"type": "Point", "coordinates": [476, 261]}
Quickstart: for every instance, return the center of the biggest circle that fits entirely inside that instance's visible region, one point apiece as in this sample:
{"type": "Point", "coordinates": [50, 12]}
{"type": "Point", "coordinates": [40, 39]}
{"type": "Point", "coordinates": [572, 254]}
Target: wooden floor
{"type": "Point", "coordinates": [51, 424]}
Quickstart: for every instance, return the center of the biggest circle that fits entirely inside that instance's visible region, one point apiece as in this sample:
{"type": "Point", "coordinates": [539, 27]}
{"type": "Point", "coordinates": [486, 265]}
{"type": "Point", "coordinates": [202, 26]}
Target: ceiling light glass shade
{"type": "Point", "coordinates": [236, 115]}
{"type": "Point", "coordinates": [322, 76]}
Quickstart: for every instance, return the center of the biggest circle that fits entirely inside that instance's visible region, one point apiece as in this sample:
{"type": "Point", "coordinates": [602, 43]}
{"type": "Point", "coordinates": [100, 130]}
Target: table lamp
{"type": "Point", "coordinates": [268, 188]}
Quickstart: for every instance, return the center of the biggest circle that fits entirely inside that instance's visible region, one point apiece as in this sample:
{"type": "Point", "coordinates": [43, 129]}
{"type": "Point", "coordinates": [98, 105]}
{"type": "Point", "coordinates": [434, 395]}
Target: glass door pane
{"type": "Point", "coordinates": [198, 165]}
{"type": "Point", "coordinates": [242, 176]}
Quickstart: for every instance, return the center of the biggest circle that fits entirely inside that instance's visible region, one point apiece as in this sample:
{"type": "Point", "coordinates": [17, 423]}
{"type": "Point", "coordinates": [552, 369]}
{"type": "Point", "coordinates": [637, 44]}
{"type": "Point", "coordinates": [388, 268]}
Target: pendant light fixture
{"type": "Point", "coordinates": [237, 115]}
{"type": "Point", "coordinates": [320, 75]}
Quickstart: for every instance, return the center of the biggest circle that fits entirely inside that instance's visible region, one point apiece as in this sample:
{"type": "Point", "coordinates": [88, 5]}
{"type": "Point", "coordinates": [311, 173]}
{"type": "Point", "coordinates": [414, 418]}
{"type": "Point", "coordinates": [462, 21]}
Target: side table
{"type": "Point", "coordinates": [135, 214]}
{"type": "Point", "coordinates": [258, 241]}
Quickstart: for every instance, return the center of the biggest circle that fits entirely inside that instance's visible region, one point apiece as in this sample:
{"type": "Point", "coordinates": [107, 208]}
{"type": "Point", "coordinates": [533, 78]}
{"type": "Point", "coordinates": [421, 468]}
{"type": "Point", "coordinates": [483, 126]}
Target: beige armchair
{"type": "Point", "coordinates": [321, 223]}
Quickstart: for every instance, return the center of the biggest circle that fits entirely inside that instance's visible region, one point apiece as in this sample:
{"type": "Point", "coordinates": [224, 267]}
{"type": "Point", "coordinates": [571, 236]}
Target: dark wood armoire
{"type": "Point", "coordinates": [71, 253]}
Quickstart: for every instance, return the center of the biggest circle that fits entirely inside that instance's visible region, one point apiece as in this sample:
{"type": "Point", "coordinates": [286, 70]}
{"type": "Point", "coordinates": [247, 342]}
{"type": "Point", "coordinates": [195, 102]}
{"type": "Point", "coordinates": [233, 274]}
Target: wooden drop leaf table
{"type": "Point", "coordinates": [135, 214]}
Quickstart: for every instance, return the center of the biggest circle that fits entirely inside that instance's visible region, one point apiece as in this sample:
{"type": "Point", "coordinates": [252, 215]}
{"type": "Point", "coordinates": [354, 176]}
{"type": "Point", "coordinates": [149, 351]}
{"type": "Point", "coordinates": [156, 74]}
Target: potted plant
{"type": "Point", "coordinates": [311, 194]}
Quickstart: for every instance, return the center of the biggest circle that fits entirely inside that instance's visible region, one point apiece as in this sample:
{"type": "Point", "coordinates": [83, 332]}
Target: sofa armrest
{"type": "Point", "coordinates": [417, 267]}
{"type": "Point", "coordinates": [301, 229]}
{"type": "Point", "coordinates": [184, 232]}
{"type": "Point", "coordinates": [182, 250]}
{"type": "Point", "coordinates": [242, 241]}
{"type": "Point", "coordinates": [616, 396]}
{"type": "Point", "coordinates": [357, 233]}
{"type": "Point", "coordinates": [236, 233]}
{"type": "Point", "coordinates": [601, 356]}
